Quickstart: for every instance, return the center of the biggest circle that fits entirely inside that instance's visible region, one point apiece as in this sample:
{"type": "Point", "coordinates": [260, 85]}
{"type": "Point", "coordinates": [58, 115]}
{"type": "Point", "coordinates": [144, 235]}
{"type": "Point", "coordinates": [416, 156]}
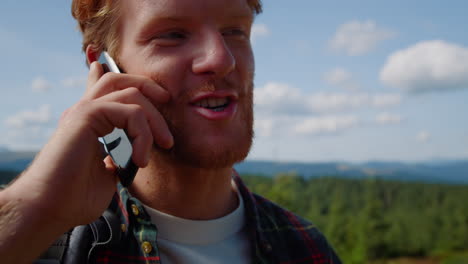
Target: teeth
{"type": "Point", "coordinates": [218, 102]}
{"type": "Point", "coordinates": [212, 102]}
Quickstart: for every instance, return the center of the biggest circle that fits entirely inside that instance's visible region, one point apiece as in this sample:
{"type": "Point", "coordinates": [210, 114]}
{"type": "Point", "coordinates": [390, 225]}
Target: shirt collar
{"type": "Point", "coordinates": [254, 222]}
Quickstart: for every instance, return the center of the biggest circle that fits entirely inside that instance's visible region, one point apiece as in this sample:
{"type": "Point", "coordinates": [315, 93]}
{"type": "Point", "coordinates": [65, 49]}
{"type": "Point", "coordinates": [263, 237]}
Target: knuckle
{"type": "Point", "coordinates": [79, 107]}
{"type": "Point", "coordinates": [136, 110]}
{"type": "Point", "coordinates": [65, 113]}
{"type": "Point", "coordinates": [109, 77]}
{"type": "Point", "coordinates": [77, 113]}
{"type": "Point", "coordinates": [150, 136]}
{"type": "Point", "coordinates": [133, 92]}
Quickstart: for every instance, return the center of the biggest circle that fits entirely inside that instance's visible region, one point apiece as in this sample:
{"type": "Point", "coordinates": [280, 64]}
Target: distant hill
{"type": "Point", "coordinates": [441, 172]}
{"type": "Point", "coordinates": [3, 149]}
{"type": "Point", "coordinates": [15, 161]}
{"type": "Point", "coordinates": [452, 171]}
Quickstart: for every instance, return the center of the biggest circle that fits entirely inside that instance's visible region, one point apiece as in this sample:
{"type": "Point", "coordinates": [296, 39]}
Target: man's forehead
{"type": "Point", "coordinates": [183, 8]}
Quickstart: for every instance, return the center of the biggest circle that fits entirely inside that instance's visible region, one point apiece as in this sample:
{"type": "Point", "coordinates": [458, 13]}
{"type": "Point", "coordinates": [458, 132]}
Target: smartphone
{"type": "Point", "coordinates": [117, 144]}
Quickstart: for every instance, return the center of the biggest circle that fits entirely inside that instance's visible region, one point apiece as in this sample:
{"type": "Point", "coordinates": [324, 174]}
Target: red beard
{"type": "Point", "coordinates": [190, 151]}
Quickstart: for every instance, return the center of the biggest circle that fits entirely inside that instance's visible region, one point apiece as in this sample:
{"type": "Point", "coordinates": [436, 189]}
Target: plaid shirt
{"type": "Point", "coordinates": [278, 235]}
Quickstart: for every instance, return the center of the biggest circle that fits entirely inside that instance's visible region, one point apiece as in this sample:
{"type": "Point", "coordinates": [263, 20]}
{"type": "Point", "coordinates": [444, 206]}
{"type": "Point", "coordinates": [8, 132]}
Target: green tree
{"type": "Point", "coordinates": [372, 226]}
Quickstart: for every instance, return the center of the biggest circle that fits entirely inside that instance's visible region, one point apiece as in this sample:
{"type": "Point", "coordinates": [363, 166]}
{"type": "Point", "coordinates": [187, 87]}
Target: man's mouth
{"type": "Point", "coordinates": [214, 104]}
{"type": "Point", "coordinates": [219, 105]}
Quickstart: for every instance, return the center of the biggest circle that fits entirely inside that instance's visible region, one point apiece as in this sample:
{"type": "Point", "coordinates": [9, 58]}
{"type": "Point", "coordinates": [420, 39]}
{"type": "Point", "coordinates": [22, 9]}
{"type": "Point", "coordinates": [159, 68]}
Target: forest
{"type": "Point", "coordinates": [377, 221]}
{"type": "Point", "coordinates": [371, 220]}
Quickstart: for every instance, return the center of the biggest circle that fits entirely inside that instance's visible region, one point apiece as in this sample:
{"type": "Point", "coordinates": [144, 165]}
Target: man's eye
{"type": "Point", "coordinates": [170, 38]}
{"type": "Point", "coordinates": [235, 32]}
{"type": "Point", "coordinates": [175, 35]}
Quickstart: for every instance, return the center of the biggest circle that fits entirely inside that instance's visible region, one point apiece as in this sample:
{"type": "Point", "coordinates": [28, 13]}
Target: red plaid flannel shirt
{"type": "Point", "coordinates": [278, 235]}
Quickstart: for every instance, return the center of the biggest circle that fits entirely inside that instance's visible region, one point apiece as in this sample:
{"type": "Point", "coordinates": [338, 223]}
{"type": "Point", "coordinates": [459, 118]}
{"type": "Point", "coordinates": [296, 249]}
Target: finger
{"type": "Point", "coordinates": [140, 132]}
{"type": "Point", "coordinates": [95, 72]}
{"type": "Point", "coordinates": [110, 166]}
{"type": "Point", "coordinates": [111, 171]}
{"type": "Point", "coordinates": [130, 117]}
{"type": "Point", "coordinates": [111, 82]}
{"type": "Point", "coordinates": [160, 131]}
{"type": "Point", "coordinates": [141, 159]}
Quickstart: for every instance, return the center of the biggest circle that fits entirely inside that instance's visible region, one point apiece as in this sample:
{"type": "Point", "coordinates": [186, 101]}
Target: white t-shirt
{"type": "Point", "coordinates": [222, 240]}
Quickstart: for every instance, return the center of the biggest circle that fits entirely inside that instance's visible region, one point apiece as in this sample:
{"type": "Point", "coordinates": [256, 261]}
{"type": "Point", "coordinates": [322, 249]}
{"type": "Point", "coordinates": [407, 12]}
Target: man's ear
{"type": "Point", "coordinates": [91, 54]}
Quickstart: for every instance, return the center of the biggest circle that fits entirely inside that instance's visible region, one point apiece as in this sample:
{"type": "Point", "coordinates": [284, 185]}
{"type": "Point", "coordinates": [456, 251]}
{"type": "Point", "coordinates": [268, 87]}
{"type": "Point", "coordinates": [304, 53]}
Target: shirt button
{"type": "Point", "coordinates": [135, 210]}
{"type": "Point", "coordinates": [146, 246]}
{"type": "Point", "coordinates": [123, 227]}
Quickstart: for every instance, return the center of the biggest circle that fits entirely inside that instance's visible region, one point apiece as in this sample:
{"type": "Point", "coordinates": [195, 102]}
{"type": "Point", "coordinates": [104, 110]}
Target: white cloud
{"type": "Point", "coordinates": [40, 84]}
{"type": "Point", "coordinates": [357, 38]}
{"type": "Point", "coordinates": [325, 125]}
{"type": "Point", "coordinates": [335, 102]}
{"type": "Point", "coordinates": [423, 136]}
{"type": "Point", "coordinates": [341, 78]}
{"type": "Point", "coordinates": [74, 82]}
{"type": "Point", "coordinates": [281, 109]}
{"type": "Point", "coordinates": [281, 98]}
{"type": "Point", "coordinates": [428, 65]}
{"type": "Point", "coordinates": [31, 139]}
{"type": "Point", "coordinates": [259, 30]}
{"type": "Point", "coordinates": [305, 125]}
{"type": "Point", "coordinates": [388, 118]}
{"type": "Point", "coordinates": [26, 118]}
{"type": "Point", "coordinates": [384, 100]}
{"type": "Point", "coordinates": [264, 127]}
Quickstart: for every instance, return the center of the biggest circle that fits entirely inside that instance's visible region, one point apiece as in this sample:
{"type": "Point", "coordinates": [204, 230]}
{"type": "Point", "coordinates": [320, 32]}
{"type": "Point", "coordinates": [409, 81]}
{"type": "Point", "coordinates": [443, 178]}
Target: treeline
{"type": "Point", "coordinates": [373, 219]}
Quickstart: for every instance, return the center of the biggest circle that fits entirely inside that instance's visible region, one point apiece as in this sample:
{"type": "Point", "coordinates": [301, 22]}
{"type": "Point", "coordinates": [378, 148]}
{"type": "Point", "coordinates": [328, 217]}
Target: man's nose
{"type": "Point", "coordinates": [213, 56]}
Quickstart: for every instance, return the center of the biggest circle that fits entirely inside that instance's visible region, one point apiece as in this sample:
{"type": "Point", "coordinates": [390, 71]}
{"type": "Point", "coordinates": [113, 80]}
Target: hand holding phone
{"type": "Point", "coordinates": [117, 144]}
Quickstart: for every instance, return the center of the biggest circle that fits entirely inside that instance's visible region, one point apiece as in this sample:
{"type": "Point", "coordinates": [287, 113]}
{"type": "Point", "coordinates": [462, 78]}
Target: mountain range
{"type": "Point", "coordinates": [437, 171]}
{"type": "Point", "coordinates": [453, 171]}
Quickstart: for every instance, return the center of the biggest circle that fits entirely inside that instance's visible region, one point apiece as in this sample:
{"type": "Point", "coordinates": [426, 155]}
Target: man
{"type": "Point", "coordinates": [186, 101]}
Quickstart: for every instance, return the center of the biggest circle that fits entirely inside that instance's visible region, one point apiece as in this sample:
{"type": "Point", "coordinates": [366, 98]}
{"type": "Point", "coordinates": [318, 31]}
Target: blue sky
{"type": "Point", "coordinates": [335, 80]}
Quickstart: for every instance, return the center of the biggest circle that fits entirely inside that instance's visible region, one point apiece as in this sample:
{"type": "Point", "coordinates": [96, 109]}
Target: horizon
{"type": "Point", "coordinates": [361, 162]}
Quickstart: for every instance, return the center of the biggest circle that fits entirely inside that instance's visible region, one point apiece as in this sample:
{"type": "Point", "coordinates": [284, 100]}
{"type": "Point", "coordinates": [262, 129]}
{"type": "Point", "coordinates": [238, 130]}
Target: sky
{"type": "Point", "coordinates": [349, 81]}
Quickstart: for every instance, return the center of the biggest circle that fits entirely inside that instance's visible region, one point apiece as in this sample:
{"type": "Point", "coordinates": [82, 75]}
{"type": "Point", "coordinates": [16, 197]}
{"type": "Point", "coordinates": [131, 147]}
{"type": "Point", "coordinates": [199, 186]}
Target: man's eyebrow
{"type": "Point", "coordinates": [149, 25]}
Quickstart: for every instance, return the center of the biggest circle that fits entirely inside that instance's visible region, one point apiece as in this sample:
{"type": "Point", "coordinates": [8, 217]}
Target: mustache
{"type": "Point", "coordinates": [185, 94]}
{"type": "Point", "coordinates": [211, 86]}
{"type": "Point", "coordinates": [204, 87]}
